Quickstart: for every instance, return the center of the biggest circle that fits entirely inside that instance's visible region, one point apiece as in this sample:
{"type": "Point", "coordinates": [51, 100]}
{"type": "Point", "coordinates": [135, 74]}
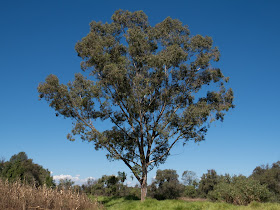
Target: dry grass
{"type": "Point", "coordinates": [18, 196]}
{"type": "Point", "coordinates": [192, 199]}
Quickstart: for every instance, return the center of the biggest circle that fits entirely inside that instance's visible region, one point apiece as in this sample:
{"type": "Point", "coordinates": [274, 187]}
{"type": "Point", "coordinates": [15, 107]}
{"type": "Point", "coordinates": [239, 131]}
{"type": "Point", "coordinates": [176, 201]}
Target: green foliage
{"type": "Point", "coordinates": [190, 191]}
{"type": "Point", "coordinates": [146, 81]}
{"type": "Point", "coordinates": [122, 176]}
{"type": "Point", "coordinates": [189, 178]}
{"type": "Point", "coordinates": [113, 203]}
{"type": "Point", "coordinates": [2, 163]}
{"type": "Point", "coordinates": [65, 184]}
{"type": "Point", "coordinates": [269, 176]}
{"type": "Point", "coordinates": [133, 192]}
{"type": "Point", "coordinates": [50, 182]}
{"type": "Point", "coordinates": [166, 185]}
{"type": "Point", "coordinates": [110, 186]}
{"type": "Point", "coordinates": [207, 182]}
{"type": "Point", "coordinates": [19, 167]}
{"type": "Point", "coordinates": [240, 191]}
{"type": "Point", "coordinates": [21, 156]}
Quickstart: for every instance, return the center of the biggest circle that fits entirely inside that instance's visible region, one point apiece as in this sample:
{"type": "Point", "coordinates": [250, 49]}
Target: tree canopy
{"type": "Point", "coordinates": [147, 82]}
{"type": "Point", "coordinates": [189, 178]}
{"type": "Point", "coordinates": [166, 185]}
{"type": "Point", "coordinates": [19, 167]}
{"type": "Point", "coordinates": [269, 175]}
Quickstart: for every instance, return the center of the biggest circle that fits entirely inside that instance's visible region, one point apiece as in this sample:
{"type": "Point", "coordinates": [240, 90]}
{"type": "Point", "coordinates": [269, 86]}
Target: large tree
{"type": "Point", "coordinates": [147, 82]}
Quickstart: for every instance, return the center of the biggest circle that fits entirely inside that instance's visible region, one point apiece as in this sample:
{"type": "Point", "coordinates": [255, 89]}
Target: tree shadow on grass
{"type": "Point", "coordinates": [131, 198]}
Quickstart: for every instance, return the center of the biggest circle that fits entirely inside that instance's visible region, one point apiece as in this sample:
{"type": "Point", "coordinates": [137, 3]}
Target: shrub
{"type": "Point", "coordinates": [207, 182]}
{"type": "Point", "coordinates": [240, 191]}
{"type": "Point", "coordinates": [270, 176]}
{"type": "Point", "coordinates": [166, 185]}
{"type": "Point", "coordinates": [190, 191]}
{"type": "Point", "coordinates": [133, 192]}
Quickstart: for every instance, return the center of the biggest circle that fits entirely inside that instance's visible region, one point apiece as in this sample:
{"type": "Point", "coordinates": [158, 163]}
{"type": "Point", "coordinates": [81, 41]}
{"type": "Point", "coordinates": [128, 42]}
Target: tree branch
{"type": "Point", "coordinates": [155, 160]}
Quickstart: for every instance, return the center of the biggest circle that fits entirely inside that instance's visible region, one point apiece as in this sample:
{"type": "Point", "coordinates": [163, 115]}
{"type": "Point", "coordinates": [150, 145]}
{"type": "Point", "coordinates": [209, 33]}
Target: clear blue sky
{"type": "Point", "coordinates": [38, 37]}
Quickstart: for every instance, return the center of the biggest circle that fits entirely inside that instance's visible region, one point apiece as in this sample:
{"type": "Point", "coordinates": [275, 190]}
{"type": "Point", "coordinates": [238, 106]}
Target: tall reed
{"type": "Point", "coordinates": [17, 196]}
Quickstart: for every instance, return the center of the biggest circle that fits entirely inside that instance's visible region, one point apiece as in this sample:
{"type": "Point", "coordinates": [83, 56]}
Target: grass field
{"type": "Point", "coordinates": [128, 204]}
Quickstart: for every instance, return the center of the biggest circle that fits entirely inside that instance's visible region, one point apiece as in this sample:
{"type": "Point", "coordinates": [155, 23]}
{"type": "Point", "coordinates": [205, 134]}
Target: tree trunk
{"type": "Point", "coordinates": [144, 185]}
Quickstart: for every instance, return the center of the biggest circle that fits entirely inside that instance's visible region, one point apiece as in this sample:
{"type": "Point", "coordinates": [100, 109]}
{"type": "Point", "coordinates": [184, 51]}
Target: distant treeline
{"type": "Point", "coordinates": [262, 185]}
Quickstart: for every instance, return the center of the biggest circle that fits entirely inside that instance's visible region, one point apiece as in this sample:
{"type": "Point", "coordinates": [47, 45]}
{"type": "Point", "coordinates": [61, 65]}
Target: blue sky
{"type": "Point", "coordinates": [38, 37]}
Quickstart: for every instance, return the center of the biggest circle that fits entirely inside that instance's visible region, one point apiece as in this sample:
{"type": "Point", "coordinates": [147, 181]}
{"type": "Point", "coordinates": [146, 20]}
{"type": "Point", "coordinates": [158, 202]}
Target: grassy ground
{"type": "Point", "coordinates": [128, 203]}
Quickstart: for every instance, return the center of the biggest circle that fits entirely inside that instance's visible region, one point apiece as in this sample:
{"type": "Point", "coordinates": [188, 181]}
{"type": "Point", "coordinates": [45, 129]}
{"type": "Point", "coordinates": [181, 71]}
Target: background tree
{"type": "Point", "coordinates": [269, 176]}
{"type": "Point", "coordinates": [19, 167]}
{"type": "Point", "coordinates": [87, 187]}
{"type": "Point", "coordinates": [189, 178]}
{"type": "Point", "coordinates": [21, 156]}
{"type": "Point", "coordinates": [207, 182]}
{"type": "Point", "coordinates": [2, 163]}
{"type": "Point", "coordinates": [122, 176]}
{"type": "Point", "coordinates": [166, 185]}
{"type": "Point", "coordinates": [145, 80]}
{"type": "Point", "coordinates": [190, 181]}
{"type": "Point", "coordinates": [65, 184]}
{"type": "Point", "coordinates": [106, 185]}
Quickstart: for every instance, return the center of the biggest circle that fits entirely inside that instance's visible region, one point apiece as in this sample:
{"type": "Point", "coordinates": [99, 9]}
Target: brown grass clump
{"type": "Point", "coordinates": [192, 199]}
{"type": "Point", "coordinates": [18, 196]}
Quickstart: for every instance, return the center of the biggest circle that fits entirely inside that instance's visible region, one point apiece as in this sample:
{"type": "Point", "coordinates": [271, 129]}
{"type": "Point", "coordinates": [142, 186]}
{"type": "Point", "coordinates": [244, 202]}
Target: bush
{"type": "Point", "coordinates": [190, 191]}
{"type": "Point", "coordinates": [166, 185]}
{"type": "Point", "coordinates": [207, 182]}
{"type": "Point", "coordinates": [133, 192]}
{"type": "Point", "coordinates": [240, 191]}
{"type": "Point", "coordinates": [269, 176]}
{"type": "Point", "coordinates": [169, 190]}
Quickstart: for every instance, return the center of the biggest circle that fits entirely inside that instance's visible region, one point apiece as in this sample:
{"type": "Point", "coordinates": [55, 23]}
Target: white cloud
{"type": "Point", "coordinates": [76, 179]}
{"type": "Point", "coordinates": [129, 183]}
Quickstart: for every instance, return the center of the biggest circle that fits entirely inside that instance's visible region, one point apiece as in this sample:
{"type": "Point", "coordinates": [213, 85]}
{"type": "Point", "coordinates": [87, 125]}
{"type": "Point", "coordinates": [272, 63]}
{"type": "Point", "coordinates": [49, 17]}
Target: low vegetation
{"type": "Point", "coordinates": [125, 203]}
{"type": "Point", "coordinates": [17, 196]}
{"type": "Point", "coordinates": [240, 190]}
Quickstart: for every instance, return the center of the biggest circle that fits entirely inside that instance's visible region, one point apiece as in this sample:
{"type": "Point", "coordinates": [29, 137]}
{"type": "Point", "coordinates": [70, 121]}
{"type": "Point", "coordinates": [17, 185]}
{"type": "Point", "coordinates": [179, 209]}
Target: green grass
{"type": "Point", "coordinates": [128, 203]}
